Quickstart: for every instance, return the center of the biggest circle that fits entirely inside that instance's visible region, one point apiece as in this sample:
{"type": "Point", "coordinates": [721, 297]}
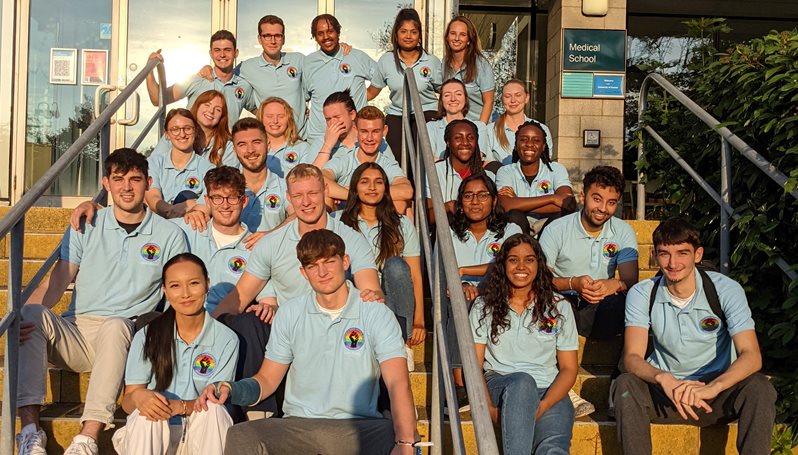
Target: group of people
{"type": "Point", "coordinates": [257, 283]}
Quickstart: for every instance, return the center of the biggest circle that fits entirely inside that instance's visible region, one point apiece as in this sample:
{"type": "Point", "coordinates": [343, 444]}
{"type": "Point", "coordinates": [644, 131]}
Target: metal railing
{"type": "Point", "coordinates": [442, 273]}
{"type": "Point", "coordinates": [14, 224]}
{"type": "Point", "coordinates": [728, 140]}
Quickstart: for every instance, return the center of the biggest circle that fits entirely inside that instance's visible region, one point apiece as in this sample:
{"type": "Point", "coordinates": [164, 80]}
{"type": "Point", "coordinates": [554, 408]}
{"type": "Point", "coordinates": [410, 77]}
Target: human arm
{"type": "Point", "coordinates": [372, 92]}
{"type": "Point", "coordinates": [337, 191]}
{"type": "Point", "coordinates": [419, 329]}
{"type": "Point", "coordinates": [267, 379]}
{"type": "Point", "coordinates": [173, 92]}
{"type": "Point", "coordinates": [397, 381]}
{"type": "Point", "coordinates": [155, 202]}
{"type": "Point", "coordinates": [239, 298]}
{"type": "Point", "coordinates": [587, 288]}
{"type": "Point", "coordinates": [368, 282]}
{"type": "Point", "coordinates": [487, 106]}
{"type": "Point", "coordinates": [198, 217]}
{"type": "Point", "coordinates": [628, 273]}
{"type": "Point", "coordinates": [480, 351]}
{"type": "Point", "coordinates": [84, 211]}
{"type": "Point", "coordinates": [401, 189]}
{"type": "Point", "coordinates": [49, 292]}
{"type": "Point", "coordinates": [568, 367]}
{"type": "Point", "coordinates": [543, 205]}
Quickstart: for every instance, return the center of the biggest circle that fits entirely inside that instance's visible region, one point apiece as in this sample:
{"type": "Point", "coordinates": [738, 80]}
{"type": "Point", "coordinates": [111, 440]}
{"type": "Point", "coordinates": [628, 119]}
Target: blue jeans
{"type": "Point", "coordinates": [399, 297]}
{"type": "Point", "coordinates": [517, 396]}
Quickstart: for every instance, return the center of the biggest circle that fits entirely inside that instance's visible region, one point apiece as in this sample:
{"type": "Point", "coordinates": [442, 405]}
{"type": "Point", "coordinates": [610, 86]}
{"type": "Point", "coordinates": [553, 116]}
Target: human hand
{"type": "Point", "coordinates": [449, 206]}
{"type": "Point", "coordinates": [368, 295]}
{"type": "Point", "coordinates": [26, 330]}
{"type": "Point", "coordinates": [471, 292]}
{"type": "Point", "coordinates": [494, 413]}
{"type": "Point", "coordinates": [334, 131]}
{"type": "Point", "coordinates": [587, 289]}
{"type": "Point", "coordinates": [197, 219]}
{"type": "Point", "coordinates": [609, 286]}
{"type": "Point", "coordinates": [85, 209]}
{"type": "Point", "coordinates": [264, 311]}
{"type": "Point", "coordinates": [206, 72]}
{"type": "Point", "coordinates": [507, 191]}
{"type": "Point", "coordinates": [346, 48]}
{"type": "Point", "coordinates": [675, 390]}
{"type": "Point", "coordinates": [403, 450]}
{"type": "Point", "coordinates": [209, 393]}
{"type": "Point", "coordinates": [156, 54]}
{"type": "Point", "coordinates": [418, 335]}
{"type": "Point", "coordinates": [152, 405]}
{"type": "Point", "coordinates": [252, 239]}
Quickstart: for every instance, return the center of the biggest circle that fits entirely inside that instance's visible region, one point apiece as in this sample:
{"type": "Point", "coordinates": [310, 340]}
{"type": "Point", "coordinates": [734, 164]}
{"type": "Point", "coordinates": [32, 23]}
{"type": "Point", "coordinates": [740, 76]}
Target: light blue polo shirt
{"type": "Point", "coordinates": [503, 154]}
{"type": "Point", "coordinates": [211, 357]}
{"type": "Point", "coordinates": [343, 165]}
{"type": "Point", "coordinates": [692, 342]}
{"type": "Point", "coordinates": [120, 273]}
{"type": "Point", "coordinates": [283, 80]}
{"type": "Point", "coordinates": [436, 128]}
{"type": "Point", "coordinates": [571, 251]}
{"type": "Point", "coordinates": [472, 252]}
{"type": "Point", "coordinates": [345, 352]}
{"type": "Point", "coordinates": [274, 258]}
{"type": "Point", "coordinates": [225, 265]}
{"type": "Point", "coordinates": [428, 74]}
{"type": "Point", "coordinates": [237, 93]}
{"type": "Point", "coordinates": [326, 74]}
{"type": "Point", "coordinates": [483, 82]}
{"type": "Point", "coordinates": [164, 147]}
{"type": "Point", "coordinates": [526, 347]}
{"type": "Point", "coordinates": [412, 247]}
{"type": "Point", "coordinates": [268, 208]}
{"type": "Point", "coordinates": [546, 183]}
{"type": "Point", "coordinates": [172, 181]}
{"type": "Point", "coordinates": [288, 156]}
{"type": "Point", "coordinates": [450, 180]}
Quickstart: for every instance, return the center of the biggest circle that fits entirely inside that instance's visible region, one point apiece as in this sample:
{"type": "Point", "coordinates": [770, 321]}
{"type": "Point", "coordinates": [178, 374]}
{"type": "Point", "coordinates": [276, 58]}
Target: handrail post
{"type": "Point", "coordinates": [641, 186]}
{"type": "Point", "coordinates": [105, 150]}
{"type": "Point", "coordinates": [11, 364]}
{"type": "Point", "coordinates": [725, 195]}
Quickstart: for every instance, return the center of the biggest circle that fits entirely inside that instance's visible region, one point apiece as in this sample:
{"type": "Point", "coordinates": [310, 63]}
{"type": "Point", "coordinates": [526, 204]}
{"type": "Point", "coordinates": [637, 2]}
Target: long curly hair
{"type": "Point", "coordinates": [390, 240]}
{"type": "Point", "coordinates": [497, 220]}
{"type": "Point", "coordinates": [498, 289]}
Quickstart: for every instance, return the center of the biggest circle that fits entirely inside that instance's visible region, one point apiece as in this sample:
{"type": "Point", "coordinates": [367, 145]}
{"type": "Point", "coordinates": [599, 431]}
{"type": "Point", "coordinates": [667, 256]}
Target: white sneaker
{"type": "Point", "coordinates": [582, 407]}
{"type": "Point", "coordinates": [411, 359]}
{"type": "Point", "coordinates": [31, 441]}
{"type": "Point", "coordinates": [82, 445]}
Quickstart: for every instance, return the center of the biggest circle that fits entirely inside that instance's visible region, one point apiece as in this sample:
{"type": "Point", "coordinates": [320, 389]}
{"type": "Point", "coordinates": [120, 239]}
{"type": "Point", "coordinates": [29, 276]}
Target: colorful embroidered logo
{"type": "Point", "coordinates": [291, 157]}
{"type": "Point", "coordinates": [353, 339]}
{"type": "Point", "coordinates": [239, 93]}
{"type": "Point", "coordinates": [273, 200]}
{"type": "Point", "coordinates": [494, 248]}
{"type": "Point", "coordinates": [237, 264]}
{"type": "Point", "coordinates": [425, 72]}
{"type": "Point", "coordinates": [610, 250]}
{"type": "Point", "coordinates": [549, 326]}
{"type": "Point", "coordinates": [544, 187]}
{"type": "Point", "coordinates": [151, 252]}
{"type": "Point", "coordinates": [345, 68]}
{"type": "Point", "coordinates": [291, 72]}
{"type": "Point", "coordinates": [709, 324]}
{"type": "Point", "coordinates": [193, 183]}
{"type": "Point", "coordinates": [204, 364]}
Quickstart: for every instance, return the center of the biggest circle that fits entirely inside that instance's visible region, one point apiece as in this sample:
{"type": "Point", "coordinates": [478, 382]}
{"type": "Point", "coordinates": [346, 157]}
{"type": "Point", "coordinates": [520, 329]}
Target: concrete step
{"type": "Point", "coordinates": [36, 246]}
{"type": "Point", "coordinates": [29, 269]}
{"type": "Point", "coordinates": [44, 220]}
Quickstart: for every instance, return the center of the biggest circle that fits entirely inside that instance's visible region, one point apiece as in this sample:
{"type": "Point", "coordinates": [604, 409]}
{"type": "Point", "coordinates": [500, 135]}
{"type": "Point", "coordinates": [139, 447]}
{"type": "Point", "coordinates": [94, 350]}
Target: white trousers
{"type": "Point", "coordinates": [205, 434]}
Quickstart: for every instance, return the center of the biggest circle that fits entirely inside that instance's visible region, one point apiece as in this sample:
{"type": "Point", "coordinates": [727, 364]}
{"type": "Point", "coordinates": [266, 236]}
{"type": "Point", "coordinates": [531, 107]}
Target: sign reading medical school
{"type": "Point", "coordinates": [594, 63]}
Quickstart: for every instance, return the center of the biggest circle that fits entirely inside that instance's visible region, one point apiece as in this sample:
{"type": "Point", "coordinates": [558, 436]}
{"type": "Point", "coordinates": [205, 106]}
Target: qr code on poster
{"type": "Point", "coordinates": [61, 68]}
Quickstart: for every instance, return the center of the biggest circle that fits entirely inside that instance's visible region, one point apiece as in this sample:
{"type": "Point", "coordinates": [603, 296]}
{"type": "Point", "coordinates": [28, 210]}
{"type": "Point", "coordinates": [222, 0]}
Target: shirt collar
{"type": "Point", "coordinates": [351, 308]}
{"type": "Point", "coordinates": [190, 166]}
{"type": "Point", "coordinates": [111, 223]}
{"type": "Point", "coordinates": [206, 336]}
{"type": "Point", "coordinates": [663, 296]}
{"type": "Point", "coordinates": [606, 229]}
{"type": "Point", "coordinates": [337, 56]}
{"type": "Point", "coordinates": [263, 61]}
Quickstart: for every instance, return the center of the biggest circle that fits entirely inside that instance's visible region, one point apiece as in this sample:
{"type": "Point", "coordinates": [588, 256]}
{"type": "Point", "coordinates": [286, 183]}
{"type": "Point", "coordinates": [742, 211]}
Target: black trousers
{"type": "Point", "coordinates": [395, 131]}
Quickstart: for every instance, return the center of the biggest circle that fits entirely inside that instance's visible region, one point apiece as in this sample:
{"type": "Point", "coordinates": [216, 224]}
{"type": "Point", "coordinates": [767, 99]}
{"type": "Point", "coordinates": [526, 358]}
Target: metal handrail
{"type": "Point", "coordinates": [14, 223]}
{"type": "Point", "coordinates": [727, 141]}
{"type": "Point", "coordinates": [443, 263]}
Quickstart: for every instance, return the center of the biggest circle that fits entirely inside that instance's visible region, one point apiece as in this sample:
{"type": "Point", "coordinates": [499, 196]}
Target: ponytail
{"type": "Point", "coordinates": [160, 333]}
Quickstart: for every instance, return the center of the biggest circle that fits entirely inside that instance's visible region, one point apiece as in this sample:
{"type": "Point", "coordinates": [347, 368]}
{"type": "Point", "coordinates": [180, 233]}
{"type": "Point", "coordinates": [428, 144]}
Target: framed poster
{"type": "Point", "coordinates": [95, 67]}
{"type": "Point", "coordinates": [63, 66]}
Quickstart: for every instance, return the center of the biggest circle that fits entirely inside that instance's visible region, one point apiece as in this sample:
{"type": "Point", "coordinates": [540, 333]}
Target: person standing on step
{"type": "Point", "coordinates": [584, 250]}
{"type": "Point", "coordinates": [501, 133]}
{"type": "Point", "coordinates": [453, 105]}
{"type": "Point", "coordinates": [704, 366]}
{"type": "Point", "coordinates": [340, 135]}
{"type": "Point", "coordinates": [116, 262]}
{"type": "Point", "coordinates": [237, 91]}
{"type": "Point", "coordinates": [284, 141]}
{"type": "Point", "coordinates": [364, 343]}
{"type": "Point", "coordinates": [171, 360]}
{"type": "Point", "coordinates": [463, 60]}
{"type": "Point", "coordinates": [525, 338]}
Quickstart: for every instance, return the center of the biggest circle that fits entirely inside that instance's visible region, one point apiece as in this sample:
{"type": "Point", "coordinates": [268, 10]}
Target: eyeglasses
{"type": "Point", "coordinates": [270, 37]}
{"type": "Point", "coordinates": [232, 200]}
{"type": "Point", "coordinates": [175, 130]}
{"type": "Point", "coordinates": [482, 196]}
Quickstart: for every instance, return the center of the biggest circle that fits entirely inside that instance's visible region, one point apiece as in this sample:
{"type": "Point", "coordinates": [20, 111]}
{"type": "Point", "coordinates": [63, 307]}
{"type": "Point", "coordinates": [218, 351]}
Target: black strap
{"type": "Point", "coordinates": [709, 290]}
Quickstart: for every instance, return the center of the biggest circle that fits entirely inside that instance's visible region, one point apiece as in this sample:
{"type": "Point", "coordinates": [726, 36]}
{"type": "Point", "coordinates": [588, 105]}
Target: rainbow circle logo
{"type": "Point", "coordinates": [345, 68]}
{"type": "Point", "coordinates": [193, 183]}
{"type": "Point", "coordinates": [425, 72]}
{"type": "Point", "coordinates": [291, 157]}
{"type": "Point", "coordinates": [204, 364]}
{"type": "Point", "coordinates": [545, 187]}
{"type": "Point", "coordinates": [239, 93]}
{"type": "Point", "coordinates": [292, 72]}
{"type": "Point", "coordinates": [353, 339]}
{"type": "Point", "coordinates": [494, 248]}
{"type": "Point", "coordinates": [237, 265]}
{"type": "Point", "coordinates": [610, 250]}
{"type": "Point", "coordinates": [273, 201]}
{"type": "Point", "coordinates": [709, 324]}
{"type": "Point", "coordinates": [151, 252]}
{"type": "Point", "coordinates": [549, 326]}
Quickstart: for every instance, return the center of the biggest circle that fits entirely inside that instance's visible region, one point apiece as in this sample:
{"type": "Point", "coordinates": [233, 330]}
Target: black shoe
{"type": "Point", "coordinates": [462, 400]}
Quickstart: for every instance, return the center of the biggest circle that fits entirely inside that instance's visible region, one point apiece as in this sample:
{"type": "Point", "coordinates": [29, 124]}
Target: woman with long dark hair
{"type": "Point", "coordinates": [407, 51]}
{"type": "Point", "coordinates": [453, 105]}
{"type": "Point", "coordinates": [526, 341]}
{"type": "Point", "coordinates": [463, 59]}
{"type": "Point", "coordinates": [170, 362]}
{"type": "Point", "coordinates": [370, 210]}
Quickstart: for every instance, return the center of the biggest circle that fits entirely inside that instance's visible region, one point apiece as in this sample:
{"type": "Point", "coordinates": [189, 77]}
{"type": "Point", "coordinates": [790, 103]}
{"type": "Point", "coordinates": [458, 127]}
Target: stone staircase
{"type": "Point", "coordinates": [595, 434]}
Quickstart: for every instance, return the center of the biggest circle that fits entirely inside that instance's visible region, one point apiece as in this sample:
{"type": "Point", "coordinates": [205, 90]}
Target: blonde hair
{"type": "Point", "coordinates": [291, 134]}
{"type": "Point", "coordinates": [498, 127]}
{"type": "Point", "coordinates": [370, 113]}
{"type": "Point", "coordinates": [304, 171]}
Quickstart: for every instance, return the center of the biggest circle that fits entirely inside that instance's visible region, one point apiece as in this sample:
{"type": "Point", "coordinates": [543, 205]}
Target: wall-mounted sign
{"type": "Point", "coordinates": [63, 66]}
{"type": "Point", "coordinates": [95, 67]}
{"type": "Point", "coordinates": [593, 63]}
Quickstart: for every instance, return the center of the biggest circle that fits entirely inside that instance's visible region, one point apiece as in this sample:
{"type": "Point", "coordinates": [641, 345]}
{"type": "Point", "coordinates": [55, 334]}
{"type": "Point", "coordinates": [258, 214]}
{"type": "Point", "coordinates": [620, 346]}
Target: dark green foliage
{"type": "Point", "coordinates": [752, 88]}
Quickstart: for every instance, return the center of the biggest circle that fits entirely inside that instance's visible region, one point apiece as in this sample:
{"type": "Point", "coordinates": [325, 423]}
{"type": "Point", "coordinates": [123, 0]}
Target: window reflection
{"type": "Point", "coordinates": [297, 15]}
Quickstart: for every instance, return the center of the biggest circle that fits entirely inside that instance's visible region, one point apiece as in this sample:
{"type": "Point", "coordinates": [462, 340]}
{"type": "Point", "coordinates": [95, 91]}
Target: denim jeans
{"type": "Point", "coordinates": [399, 297]}
{"type": "Point", "coordinates": [517, 396]}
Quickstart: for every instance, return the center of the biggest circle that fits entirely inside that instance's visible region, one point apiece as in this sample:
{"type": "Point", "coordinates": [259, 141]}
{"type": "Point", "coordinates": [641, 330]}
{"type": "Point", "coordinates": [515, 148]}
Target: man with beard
{"type": "Point", "coordinates": [584, 249]}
